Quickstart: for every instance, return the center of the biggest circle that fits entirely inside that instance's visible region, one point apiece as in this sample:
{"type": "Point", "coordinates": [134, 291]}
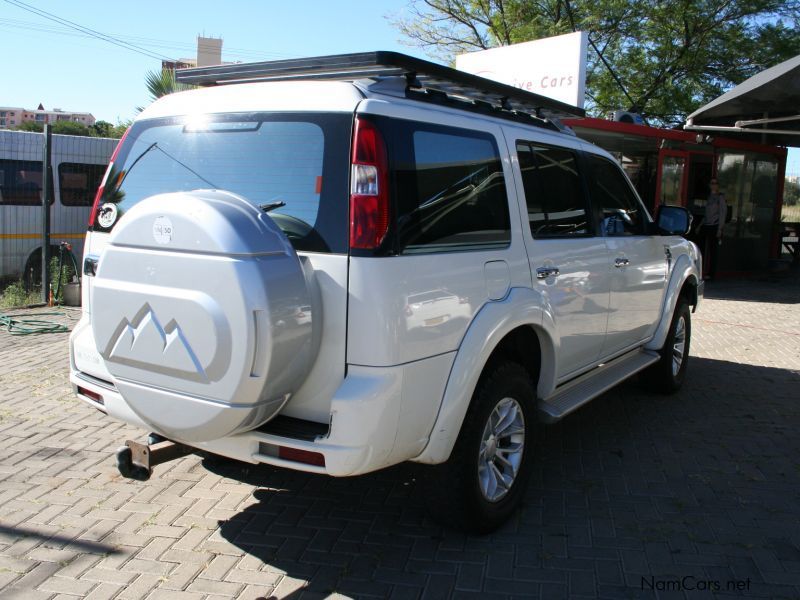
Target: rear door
{"type": "Point", "coordinates": [568, 260]}
{"type": "Point", "coordinates": [638, 262]}
{"type": "Point", "coordinates": [455, 243]}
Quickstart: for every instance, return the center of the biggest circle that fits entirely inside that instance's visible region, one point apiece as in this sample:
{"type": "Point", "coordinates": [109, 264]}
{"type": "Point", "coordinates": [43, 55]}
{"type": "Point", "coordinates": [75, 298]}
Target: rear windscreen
{"type": "Point", "coordinates": [293, 165]}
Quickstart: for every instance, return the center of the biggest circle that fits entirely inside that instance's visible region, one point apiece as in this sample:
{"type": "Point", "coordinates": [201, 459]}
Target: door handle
{"type": "Point", "coordinates": [621, 262]}
{"type": "Point", "coordinates": [545, 272]}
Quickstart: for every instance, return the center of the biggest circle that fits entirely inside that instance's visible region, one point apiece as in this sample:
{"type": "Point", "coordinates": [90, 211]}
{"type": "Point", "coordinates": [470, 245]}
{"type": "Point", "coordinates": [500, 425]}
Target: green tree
{"type": "Point", "coordinates": [30, 126]}
{"type": "Point", "coordinates": [102, 128]}
{"type": "Point", "coordinates": [665, 58]}
{"type": "Point", "coordinates": [162, 83]}
{"type": "Point", "coordinates": [73, 128]}
{"type": "Point", "coordinates": [99, 129]}
{"type": "Point", "coordinates": [107, 130]}
{"type": "Point", "coordinates": [119, 129]}
{"type": "Point", "coordinates": [791, 193]}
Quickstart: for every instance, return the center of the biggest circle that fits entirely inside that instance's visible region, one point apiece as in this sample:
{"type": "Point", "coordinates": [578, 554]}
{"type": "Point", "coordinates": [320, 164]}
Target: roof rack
{"type": "Point", "coordinates": [419, 74]}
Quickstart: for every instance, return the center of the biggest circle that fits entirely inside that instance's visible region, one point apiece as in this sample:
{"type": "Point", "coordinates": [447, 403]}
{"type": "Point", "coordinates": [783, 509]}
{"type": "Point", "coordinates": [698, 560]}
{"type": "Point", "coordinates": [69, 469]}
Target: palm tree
{"type": "Point", "coordinates": [162, 83]}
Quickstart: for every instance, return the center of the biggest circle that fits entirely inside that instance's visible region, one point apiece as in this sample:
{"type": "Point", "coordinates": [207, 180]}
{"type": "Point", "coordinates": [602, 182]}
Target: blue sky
{"type": "Point", "coordinates": [62, 68]}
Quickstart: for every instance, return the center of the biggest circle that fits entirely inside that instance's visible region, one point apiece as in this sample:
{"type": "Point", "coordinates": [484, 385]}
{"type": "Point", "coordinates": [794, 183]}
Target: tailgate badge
{"type": "Point", "coordinates": [162, 230]}
{"type": "Point", "coordinates": [107, 215]}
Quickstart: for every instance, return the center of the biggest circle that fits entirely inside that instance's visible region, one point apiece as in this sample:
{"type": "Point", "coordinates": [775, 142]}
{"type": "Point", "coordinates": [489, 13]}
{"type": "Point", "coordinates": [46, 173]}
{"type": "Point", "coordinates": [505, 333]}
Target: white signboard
{"type": "Point", "coordinates": [554, 67]}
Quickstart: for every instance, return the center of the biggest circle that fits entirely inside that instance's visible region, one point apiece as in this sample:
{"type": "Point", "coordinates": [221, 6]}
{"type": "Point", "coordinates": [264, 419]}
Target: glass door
{"type": "Point", "coordinates": [671, 186]}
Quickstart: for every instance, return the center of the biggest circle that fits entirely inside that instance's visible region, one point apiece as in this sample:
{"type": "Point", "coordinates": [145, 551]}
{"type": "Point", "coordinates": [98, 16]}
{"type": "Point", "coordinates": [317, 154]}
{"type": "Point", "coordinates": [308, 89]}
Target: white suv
{"type": "Point", "coordinates": [378, 260]}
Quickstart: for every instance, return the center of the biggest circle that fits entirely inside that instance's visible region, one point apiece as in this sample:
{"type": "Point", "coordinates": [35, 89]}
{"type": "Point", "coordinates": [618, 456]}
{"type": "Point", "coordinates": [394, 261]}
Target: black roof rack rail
{"type": "Point", "coordinates": [364, 65]}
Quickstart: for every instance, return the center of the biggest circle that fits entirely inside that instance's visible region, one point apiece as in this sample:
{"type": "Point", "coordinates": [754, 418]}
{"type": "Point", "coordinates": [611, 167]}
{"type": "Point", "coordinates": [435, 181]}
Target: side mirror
{"type": "Point", "coordinates": [673, 220]}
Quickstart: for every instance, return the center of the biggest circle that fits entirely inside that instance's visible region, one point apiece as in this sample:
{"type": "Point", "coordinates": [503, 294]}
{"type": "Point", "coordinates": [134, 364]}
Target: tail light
{"type": "Point", "coordinates": [101, 188]}
{"type": "Point", "coordinates": [369, 187]}
{"type": "Point", "coordinates": [91, 395]}
{"type": "Point", "coordinates": [302, 456]}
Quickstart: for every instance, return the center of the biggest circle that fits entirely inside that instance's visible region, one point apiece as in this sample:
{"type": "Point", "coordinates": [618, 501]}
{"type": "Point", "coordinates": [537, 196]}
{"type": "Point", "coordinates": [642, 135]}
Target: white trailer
{"type": "Point", "coordinates": [78, 167]}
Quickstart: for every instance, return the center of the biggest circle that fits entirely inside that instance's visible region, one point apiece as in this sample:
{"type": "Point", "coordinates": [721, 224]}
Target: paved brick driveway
{"type": "Point", "coordinates": [634, 496]}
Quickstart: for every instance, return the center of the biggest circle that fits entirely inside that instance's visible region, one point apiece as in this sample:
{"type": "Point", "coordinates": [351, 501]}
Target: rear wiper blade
{"type": "Point", "coordinates": [133, 164]}
{"type": "Point", "coordinates": [155, 146]}
{"type": "Point", "coordinates": [271, 205]}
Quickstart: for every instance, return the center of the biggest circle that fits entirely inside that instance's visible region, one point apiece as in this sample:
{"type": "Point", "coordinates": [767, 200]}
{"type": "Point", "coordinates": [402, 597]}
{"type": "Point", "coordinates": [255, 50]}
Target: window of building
{"type": "Point", "coordinates": [611, 192]}
{"type": "Point", "coordinates": [78, 183]}
{"type": "Point", "coordinates": [553, 191]}
{"type": "Point", "coordinates": [449, 188]}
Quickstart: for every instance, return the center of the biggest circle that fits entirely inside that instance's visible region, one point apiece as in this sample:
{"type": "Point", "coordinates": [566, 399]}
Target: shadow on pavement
{"type": "Point", "coordinates": [82, 545]}
{"type": "Point", "coordinates": [339, 534]}
{"type": "Point", "coordinates": [705, 483]}
{"type": "Point", "coordinates": [781, 288]}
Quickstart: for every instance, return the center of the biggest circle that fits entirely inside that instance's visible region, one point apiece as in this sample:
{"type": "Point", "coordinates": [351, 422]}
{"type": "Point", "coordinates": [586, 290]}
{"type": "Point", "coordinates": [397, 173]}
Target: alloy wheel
{"type": "Point", "coordinates": [501, 449]}
{"type": "Point", "coordinates": [678, 345]}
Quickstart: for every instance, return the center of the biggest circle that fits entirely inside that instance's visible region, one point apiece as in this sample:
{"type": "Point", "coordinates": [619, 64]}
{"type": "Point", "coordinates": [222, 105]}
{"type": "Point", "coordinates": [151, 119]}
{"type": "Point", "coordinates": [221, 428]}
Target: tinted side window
{"type": "Point", "coordinates": [622, 213]}
{"type": "Point", "coordinates": [553, 191]}
{"type": "Point", "coordinates": [78, 183]}
{"type": "Point", "coordinates": [451, 195]}
{"type": "Point", "coordinates": [21, 182]}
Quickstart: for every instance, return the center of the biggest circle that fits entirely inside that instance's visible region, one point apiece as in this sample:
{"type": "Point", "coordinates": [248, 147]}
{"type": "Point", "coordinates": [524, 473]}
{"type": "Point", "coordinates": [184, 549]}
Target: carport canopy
{"type": "Point", "coordinates": [763, 109]}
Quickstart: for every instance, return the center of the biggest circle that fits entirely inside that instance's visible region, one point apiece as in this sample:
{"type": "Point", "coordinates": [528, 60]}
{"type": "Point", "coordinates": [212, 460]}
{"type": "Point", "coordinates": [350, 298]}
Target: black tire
{"type": "Point", "coordinates": [453, 490]}
{"type": "Point", "coordinates": [32, 276]}
{"type": "Point", "coordinates": [663, 377]}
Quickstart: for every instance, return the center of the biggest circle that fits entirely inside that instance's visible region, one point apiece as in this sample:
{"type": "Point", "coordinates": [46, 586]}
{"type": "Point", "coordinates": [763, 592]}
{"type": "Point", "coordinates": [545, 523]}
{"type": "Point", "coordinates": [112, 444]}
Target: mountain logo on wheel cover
{"type": "Point", "coordinates": [145, 341]}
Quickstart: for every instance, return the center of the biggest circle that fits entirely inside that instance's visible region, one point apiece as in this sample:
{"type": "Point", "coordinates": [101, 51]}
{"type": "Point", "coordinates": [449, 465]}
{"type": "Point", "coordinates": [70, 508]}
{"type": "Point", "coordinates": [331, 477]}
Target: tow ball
{"type": "Point", "coordinates": [136, 460]}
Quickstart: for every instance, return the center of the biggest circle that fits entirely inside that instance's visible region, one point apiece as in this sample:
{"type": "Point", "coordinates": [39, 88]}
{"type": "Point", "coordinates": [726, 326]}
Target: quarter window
{"type": "Point", "coordinates": [451, 195]}
{"type": "Point", "coordinates": [553, 191]}
{"type": "Point", "coordinates": [622, 213]}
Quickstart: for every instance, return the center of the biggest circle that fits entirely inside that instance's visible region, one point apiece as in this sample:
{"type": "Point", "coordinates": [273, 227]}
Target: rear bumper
{"type": "Point", "coordinates": [373, 423]}
{"type": "Point", "coordinates": [368, 451]}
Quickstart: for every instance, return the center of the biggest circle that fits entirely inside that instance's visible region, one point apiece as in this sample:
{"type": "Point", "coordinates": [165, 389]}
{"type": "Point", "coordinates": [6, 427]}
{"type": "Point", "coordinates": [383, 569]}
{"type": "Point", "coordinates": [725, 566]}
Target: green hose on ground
{"type": "Point", "coordinates": [30, 326]}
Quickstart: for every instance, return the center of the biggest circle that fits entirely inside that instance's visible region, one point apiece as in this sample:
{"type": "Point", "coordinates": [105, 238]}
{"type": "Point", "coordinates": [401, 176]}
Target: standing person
{"type": "Point", "coordinates": [713, 222]}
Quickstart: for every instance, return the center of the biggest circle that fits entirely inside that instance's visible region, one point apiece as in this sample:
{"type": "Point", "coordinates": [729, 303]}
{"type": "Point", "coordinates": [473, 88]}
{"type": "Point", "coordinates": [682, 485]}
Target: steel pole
{"type": "Point", "coordinates": [47, 195]}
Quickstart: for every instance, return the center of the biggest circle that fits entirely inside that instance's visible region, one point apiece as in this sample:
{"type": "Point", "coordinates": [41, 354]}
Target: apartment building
{"type": "Point", "coordinates": [12, 116]}
{"type": "Point", "coordinates": [209, 53]}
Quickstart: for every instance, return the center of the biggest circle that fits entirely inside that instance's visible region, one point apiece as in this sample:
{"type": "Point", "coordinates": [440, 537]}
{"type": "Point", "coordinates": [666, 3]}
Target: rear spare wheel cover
{"type": "Point", "coordinates": [194, 312]}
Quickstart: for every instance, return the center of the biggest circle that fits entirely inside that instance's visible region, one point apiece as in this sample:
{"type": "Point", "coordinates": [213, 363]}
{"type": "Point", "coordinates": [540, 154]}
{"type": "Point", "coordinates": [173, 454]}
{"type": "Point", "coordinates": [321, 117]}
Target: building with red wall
{"type": "Point", "coordinates": [669, 166]}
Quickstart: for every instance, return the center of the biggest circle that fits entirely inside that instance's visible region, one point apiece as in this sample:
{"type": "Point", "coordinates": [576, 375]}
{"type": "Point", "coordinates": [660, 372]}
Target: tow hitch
{"type": "Point", "coordinates": [136, 460]}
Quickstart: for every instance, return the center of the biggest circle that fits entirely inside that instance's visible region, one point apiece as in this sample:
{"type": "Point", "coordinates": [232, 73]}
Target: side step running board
{"type": "Point", "coordinates": [580, 390]}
